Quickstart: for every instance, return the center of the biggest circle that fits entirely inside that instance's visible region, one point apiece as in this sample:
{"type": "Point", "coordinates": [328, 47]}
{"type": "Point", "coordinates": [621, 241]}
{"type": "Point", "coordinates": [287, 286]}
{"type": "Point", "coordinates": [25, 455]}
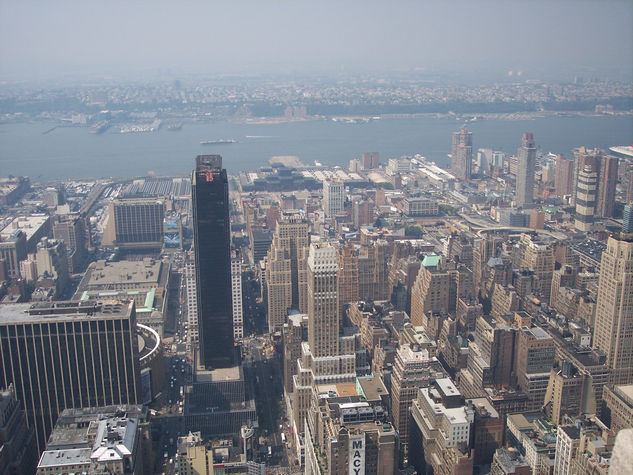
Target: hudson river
{"type": "Point", "coordinates": [73, 152]}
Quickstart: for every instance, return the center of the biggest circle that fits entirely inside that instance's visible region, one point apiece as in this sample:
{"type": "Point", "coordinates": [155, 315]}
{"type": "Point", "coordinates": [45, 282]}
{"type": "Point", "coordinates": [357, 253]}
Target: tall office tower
{"type": "Point", "coordinates": [430, 294]}
{"type": "Point", "coordinates": [333, 197]}
{"type": "Point", "coordinates": [13, 249]}
{"type": "Point", "coordinates": [614, 308]}
{"type": "Point", "coordinates": [538, 256]}
{"type": "Point", "coordinates": [327, 357]}
{"type": "Point", "coordinates": [586, 199]}
{"type": "Point", "coordinates": [606, 186]}
{"type": "Point", "coordinates": [192, 298]}
{"type": "Point", "coordinates": [534, 358]}
{"type": "Point", "coordinates": [370, 160]}
{"type": "Point", "coordinates": [564, 178]}
{"type": "Point", "coordinates": [323, 312]}
{"type": "Point", "coordinates": [348, 276]}
{"type": "Point", "coordinates": [412, 369]}
{"type": "Point", "coordinates": [69, 354]}
{"type": "Point", "coordinates": [373, 276]}
{"type": "Point", "coordinates": [490, 356]}
{"type": "Point", "coordinates": [462, 155]}
{"type": "Point", "coordinates": [236, 294]}
{"type": "Point", "coordinates": [286, 270]}
{"type": "Point", "coordinates": [135, 224]}
{"type": "Point", "coordinates": [526, 165]}
{"type": "Point", "coordinates": [440, 432]}
{"type": "Point", "coordinates": [71, 229]}
{"type": "Point", "coordinates": [212, 247]}
{"type": "Point", "coordinates": [17, 441]}
{"type": "Point", "coordinates": [293, 334]}
{"type": "Point", "coordinates": [627, 218]}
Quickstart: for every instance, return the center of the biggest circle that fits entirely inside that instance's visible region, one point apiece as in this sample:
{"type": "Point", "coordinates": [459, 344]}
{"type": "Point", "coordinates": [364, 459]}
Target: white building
{"type": "Point", "coordinates": [567, 440]}
{"type": "Point", "coordinates": [333, 197]}
{"type": "Point", "coordinates": [192, 302]}
{"type": "Point", "coordinates": [236, 293]}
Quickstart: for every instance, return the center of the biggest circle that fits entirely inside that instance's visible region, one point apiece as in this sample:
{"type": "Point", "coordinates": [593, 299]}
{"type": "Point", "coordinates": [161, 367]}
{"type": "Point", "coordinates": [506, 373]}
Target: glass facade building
{"type": "Point", "coordinates": [212, 246]}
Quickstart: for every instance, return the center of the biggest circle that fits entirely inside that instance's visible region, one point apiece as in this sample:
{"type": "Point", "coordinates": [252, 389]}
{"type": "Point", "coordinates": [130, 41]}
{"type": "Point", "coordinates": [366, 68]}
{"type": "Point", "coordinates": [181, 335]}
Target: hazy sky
{"type": "Point", "coordinates": [48, 38]}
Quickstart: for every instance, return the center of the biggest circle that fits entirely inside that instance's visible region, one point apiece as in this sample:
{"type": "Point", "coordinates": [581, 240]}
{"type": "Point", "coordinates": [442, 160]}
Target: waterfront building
{"type": "Point", "coordinates": [526, 166]}
{"type": "Point", "coordinates": [212, 248]}
{"type": "Point", "coordinates": [462, 154]}
{"type": "Point", "coordinates": [370, 160]}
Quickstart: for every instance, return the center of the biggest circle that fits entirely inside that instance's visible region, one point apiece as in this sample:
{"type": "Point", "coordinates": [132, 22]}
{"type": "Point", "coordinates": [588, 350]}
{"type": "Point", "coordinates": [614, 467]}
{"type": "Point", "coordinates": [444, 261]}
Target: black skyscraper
{"type": "Point", "coordinates": [212, 243]}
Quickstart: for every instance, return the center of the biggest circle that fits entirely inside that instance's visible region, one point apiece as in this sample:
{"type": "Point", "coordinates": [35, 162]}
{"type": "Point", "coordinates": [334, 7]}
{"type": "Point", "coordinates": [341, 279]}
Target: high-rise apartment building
{"type": "Point", "coordinates": [370, 160]}
{"type": "Point", "coordinates": [564, 178]}
{"type": "Point", "coordinates": [333, 197]}
{"type": "Point", "coordinates": [586, 199]}
{"type": "Point", "coordinates": [462, 155]}
{"type": "Point", "coordinates": [212, 247]}
{"type": "Point", "coordinates": [526, 165]}
{"type": "Point", "coordinates": [62, 355]}
{"type": "Point", "coordinates": [236, 294]}
{"type": "Point", "coordinates": [286, 269]}
{"type": "Point", "coordinates": [606, 187]}
{"type": "Point", "coordinates": [135, 224]}
{"type": "Point", "coordinates": [71, 230]}
{"type": "Point", "coordinates": [613, 330]}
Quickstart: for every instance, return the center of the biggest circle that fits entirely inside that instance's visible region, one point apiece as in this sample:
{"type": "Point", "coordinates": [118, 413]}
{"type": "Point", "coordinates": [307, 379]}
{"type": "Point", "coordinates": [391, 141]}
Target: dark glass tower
{"type": "Point", "coordinates": [212, 245]}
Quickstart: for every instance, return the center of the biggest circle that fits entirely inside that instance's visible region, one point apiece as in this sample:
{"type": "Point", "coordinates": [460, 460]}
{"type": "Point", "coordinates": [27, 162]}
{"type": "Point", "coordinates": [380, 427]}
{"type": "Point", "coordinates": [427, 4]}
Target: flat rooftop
{"type": "Point", "coordinates": [29, 224]}
{"type": "Point", "coordinates": [538, 333]}
{"type": "Point", "coordinates": [372, 387]}
{"type": "Point", "coordinates": [63, 311]}
{"type": "Point", "coordinates": [103, 275]}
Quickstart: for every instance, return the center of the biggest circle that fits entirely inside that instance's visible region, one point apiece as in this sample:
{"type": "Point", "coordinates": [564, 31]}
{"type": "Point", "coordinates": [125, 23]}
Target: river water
{"type": "Point", "coordinates": [73, 152]}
